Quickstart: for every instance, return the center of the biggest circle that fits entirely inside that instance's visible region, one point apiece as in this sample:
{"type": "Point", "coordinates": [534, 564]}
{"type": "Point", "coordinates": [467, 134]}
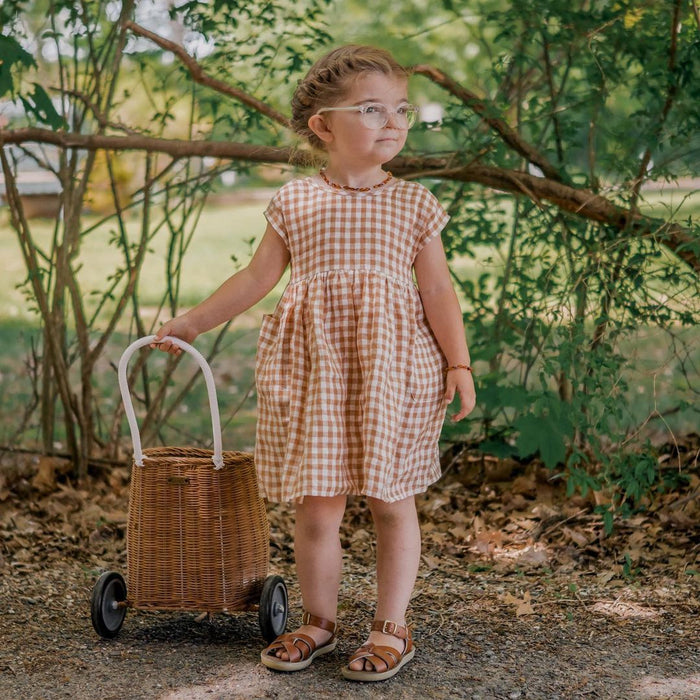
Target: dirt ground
{"type": "Point", "coordinates": [520, 595]}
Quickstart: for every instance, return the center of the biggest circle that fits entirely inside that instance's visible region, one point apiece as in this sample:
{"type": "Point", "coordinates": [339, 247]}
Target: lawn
{"type": "Point", "coordinates": [222, 231]}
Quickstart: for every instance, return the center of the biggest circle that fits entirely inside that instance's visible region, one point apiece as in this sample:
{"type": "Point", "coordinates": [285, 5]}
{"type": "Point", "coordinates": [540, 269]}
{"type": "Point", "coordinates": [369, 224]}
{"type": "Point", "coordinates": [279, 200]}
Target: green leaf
{"type": "Point", "coordinates": [544, 435]}
{"type": "Point", "coordinates": [530, 434]}
{"type": "Point", "coordinates": [497, 448]}
{"type": "Point", "coordinates": [39, 104]}
{"type": "Point", "coordinates": [11, 53]}
{"type": "Point", "coordinates": [552, 450]}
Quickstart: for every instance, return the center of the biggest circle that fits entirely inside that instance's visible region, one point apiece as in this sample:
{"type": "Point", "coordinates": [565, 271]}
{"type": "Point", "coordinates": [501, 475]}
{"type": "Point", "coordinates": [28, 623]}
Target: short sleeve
{"type": "Point", "coordinates": [431, 219]}
{"type": "Point", "coordinates": [275, 215]}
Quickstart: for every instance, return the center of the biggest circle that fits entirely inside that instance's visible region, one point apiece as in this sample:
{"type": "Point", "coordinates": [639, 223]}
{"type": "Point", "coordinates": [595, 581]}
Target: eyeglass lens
{"type": "Point", "coordinates": [376, 116]}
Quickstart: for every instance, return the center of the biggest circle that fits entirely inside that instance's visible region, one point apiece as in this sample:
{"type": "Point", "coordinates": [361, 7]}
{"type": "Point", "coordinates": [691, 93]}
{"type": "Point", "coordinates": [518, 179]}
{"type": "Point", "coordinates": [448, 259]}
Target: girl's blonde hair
{"type": "Point", "coordinates": [328, 81]}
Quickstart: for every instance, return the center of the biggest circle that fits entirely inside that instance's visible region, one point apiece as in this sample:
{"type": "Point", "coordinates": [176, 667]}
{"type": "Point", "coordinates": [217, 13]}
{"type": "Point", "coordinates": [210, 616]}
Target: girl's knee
{"type": "Point", "coordinates": [317, 515]}
{"type": "Point", "coordinates": [396, 513]}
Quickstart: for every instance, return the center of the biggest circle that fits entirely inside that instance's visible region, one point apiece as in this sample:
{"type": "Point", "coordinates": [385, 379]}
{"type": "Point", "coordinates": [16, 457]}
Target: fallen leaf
{"type": "Point", "coordinates": [576, 536]}
{"type": "Point", "coordinates": [486, 542]}
{"type": "Point", "coordinates": [532, 556]}
{"type": "Point", "coordinates": [605, 577]}
{"type": "Point", "coordinates": [430, 561]}
{"type": "Point", "coordinates": [523, 606]}
{"type": "Point", "coordinates": [525, 485]}
{"type": "Point", "coordinates": [460, 533]}
{"type": "Point", "coordinates": [620, 608]}
{"type": "Point", "coordinates": [44, 480]}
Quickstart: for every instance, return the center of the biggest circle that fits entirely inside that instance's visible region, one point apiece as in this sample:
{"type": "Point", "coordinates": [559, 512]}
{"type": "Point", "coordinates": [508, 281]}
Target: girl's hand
{"type": "Point", "coordinates": [461, 381]}
{"type": "Point", "coordinates": [180, 327]}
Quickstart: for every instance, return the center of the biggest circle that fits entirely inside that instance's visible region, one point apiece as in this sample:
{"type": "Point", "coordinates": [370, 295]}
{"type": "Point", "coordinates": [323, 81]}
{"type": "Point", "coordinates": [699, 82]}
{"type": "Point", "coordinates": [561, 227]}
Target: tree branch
{"type": "Point", "coordinates": [150, 144]}
{"type": "Point", "coordinates": [478, 106]}
{"type": "Point", "coordinates": [199, 76]}
{"type": "Point", "coordinates": [581, 202]}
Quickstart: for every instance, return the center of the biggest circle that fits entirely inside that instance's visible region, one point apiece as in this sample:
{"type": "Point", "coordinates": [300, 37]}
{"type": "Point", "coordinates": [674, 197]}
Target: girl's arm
{"type": "Point", "coordinates": [237, 294]}
{"type": "Point", "coordinates": [445, 318]}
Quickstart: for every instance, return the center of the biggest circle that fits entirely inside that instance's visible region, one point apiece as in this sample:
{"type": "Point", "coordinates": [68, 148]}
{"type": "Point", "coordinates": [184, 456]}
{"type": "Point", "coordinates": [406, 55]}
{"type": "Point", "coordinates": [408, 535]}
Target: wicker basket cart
{"type": "Point", "coordinates": [197, 531]}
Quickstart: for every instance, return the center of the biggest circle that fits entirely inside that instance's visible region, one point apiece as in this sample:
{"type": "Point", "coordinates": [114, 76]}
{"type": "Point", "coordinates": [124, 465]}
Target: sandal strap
{"type": "Point", "coordinates": [289, 643]}
{"type": "Point", "coordinates": [391, 628]}
{"type": "Point", "coordinates": [326, 625]}
{"type": "Point", "coordinates": [388, 655]}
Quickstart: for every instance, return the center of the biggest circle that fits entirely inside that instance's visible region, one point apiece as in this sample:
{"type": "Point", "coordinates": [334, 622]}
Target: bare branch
{"type": "Point", "coordinates": [480, 107]}
{"type": "Point", "coordinates": [199, 76]}
{"type": "Point", "coordinates": [173, 147]}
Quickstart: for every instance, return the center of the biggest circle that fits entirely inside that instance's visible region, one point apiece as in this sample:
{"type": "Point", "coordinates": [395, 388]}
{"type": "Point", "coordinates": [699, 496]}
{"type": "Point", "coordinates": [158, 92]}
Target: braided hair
{"type": "Point", "coordinates": [328, 81]}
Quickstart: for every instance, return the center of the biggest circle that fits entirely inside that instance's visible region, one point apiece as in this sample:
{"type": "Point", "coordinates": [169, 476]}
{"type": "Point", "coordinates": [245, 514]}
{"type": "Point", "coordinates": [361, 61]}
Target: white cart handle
{"type": "Point", "coordinates": [217, 458]}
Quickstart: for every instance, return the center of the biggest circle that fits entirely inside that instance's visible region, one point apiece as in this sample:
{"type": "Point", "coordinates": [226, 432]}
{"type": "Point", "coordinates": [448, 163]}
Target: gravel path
{"type": "Point", "coordinates": [507, 606]}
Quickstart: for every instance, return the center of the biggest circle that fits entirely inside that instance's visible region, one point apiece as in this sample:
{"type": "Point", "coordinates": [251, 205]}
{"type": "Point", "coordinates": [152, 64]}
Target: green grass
{"type": "Point", "coordinates": [221, 232]}
{"type": "Point", "coordinates": [189, 425]}
{"type": "Point", "coordinates": [674, 203]}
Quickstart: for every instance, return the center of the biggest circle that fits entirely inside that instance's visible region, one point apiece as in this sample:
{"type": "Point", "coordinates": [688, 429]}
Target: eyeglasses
{"type": "Point", "coordinates": [375, 115]}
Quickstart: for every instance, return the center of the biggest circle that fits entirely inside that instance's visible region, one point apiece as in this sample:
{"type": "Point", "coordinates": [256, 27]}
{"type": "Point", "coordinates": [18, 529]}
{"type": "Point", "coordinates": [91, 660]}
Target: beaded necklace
{"type": "Point", "coordinates": [335, 185]}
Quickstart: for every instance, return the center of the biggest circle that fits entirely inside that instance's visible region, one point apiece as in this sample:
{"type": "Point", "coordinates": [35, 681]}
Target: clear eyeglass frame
{"type": "Point", "coordinates": [375, 115]}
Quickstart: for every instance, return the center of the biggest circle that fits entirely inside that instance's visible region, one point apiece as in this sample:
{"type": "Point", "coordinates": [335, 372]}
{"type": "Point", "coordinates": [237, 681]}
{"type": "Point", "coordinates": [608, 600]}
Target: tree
{"type": "Point", "coordinates": [578, 262]}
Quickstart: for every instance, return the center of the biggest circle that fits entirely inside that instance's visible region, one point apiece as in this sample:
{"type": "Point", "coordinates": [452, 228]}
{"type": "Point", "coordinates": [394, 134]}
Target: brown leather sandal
{"type": "Point", "coordinates": [301, 648]}
{"type": "Point", "coordinates": [374, 654]}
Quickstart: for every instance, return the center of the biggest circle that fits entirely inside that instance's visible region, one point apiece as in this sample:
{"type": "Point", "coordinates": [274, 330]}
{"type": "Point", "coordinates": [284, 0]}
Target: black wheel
{"type": "Point", "coordinates": [105, 610]}
{"type": "Point", "coordinates": [273, 608]}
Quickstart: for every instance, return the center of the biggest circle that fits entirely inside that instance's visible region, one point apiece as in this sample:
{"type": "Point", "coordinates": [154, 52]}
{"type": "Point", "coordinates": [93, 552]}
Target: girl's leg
{"type": "Point", "coordinates": [319, 561]}
{"type": "Point", "coordinates": [398, 557]}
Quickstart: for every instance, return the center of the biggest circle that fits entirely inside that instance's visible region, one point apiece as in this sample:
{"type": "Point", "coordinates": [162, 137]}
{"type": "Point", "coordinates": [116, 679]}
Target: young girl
{"type": "Point", "coordinates": [356, 366]}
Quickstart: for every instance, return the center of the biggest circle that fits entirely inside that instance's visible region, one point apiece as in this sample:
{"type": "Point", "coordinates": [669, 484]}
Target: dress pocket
{"type": "Point", "coordinates": [271, 379]}
{"type": "Point", "coordinates": [426, 383]}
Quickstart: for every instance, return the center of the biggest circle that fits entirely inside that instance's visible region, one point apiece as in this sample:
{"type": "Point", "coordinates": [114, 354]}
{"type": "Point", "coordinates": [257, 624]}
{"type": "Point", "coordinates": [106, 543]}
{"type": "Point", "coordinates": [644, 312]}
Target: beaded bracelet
{"type": "Point", "coordinates": [467, 367]}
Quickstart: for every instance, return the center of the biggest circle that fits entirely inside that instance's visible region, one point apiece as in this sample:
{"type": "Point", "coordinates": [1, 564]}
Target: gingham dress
{"type": "Point", "coordinates": [350, 378]}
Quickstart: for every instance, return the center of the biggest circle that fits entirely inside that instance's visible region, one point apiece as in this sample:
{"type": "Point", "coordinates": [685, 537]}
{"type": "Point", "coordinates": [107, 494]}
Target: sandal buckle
{"type": "Point", "coordinates": [389, 627]}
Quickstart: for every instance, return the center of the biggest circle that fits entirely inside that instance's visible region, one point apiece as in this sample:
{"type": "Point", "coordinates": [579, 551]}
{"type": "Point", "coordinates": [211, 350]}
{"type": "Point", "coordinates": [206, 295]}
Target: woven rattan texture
{"type": "Point", "coordinates": [197, 538]}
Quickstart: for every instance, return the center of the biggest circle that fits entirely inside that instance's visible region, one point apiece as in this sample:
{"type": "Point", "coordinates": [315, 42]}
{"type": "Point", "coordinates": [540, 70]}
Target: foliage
{"type": "Point", "coordinates": [549, 316]}
{"type": "Point", "coordinates": [570, 109]}
{"type": "Point", "coordinates": [90, 54]}
{"type": "Point", "coordinates": [36, 103]}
